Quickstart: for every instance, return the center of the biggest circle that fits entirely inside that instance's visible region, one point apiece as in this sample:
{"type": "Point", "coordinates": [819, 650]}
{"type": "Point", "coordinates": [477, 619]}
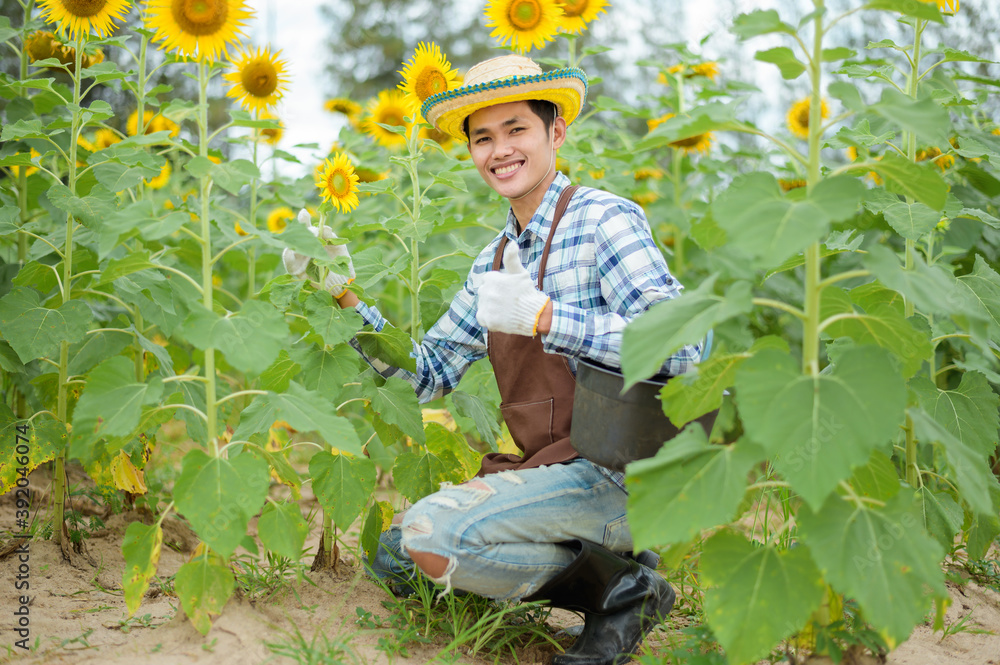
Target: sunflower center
{"type": "Point", "coordinates": [392, 118]}
{"type": "Point", "coordinates": [84, 8]}
{"type": "Point", "coordinates": [259, 78]}
{"type": "Point", "coordinates": [525, 14]}
{"type": "Point", "coordinates": [573, 8]}
{"type": "Point", "coordinates": [690, 142]}
{"type": "Point", "coordinates": [430, 82]}
{"type": "Point", "coordinates": [198, 17]}
{"type": "Point", "coordinates": [339, 184]}
{"type": "Point", "coordinates": [804, 116]}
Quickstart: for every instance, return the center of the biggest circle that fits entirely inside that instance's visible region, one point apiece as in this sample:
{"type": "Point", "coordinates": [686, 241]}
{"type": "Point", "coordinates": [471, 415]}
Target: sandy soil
{"type": "Point", "coordinates": [79, 613]}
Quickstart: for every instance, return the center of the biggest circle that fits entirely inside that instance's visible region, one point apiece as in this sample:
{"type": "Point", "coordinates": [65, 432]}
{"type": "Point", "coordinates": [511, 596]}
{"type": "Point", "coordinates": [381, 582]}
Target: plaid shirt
{"type": "Point", "coordinates": [603, 270]}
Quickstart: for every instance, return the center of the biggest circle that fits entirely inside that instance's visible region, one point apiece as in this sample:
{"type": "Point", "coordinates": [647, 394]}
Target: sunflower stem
{"type": "Point", "coordinates": [913, 84]}
{"type": "Point", "coordinates": [62, 399]}
{"type": "Point", "coordinates": [813, 266]}
{"type": "Point", "coordinates": [252, 251]}
{"type": "Point", "coordinates": [140, 106]}
{"type": "Point", "coordinates": [206, 254]}
{"type": "Point", "coordinates": [411, 167]}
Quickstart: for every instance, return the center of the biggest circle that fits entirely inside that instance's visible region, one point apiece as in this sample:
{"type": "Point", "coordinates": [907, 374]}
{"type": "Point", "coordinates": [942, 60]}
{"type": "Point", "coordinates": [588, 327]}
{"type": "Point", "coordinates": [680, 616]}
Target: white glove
{"type": "Point", "coordinates": [509, 302]}
{"type": "Point", "coordinates": [296, 264]}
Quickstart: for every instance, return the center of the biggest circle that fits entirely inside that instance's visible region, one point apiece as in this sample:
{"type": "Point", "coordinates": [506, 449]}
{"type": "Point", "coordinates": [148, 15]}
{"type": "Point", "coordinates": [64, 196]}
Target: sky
{"type": "Point", "coordinates": [299, 34]}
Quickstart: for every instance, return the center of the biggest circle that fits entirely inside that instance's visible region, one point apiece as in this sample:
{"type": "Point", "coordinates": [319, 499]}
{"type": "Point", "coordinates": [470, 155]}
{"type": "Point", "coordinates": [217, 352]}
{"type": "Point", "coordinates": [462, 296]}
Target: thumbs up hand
{"type": "Point", "coordinates": [508, 300]}
{"type": "Point", "coordinates": [297, 264]}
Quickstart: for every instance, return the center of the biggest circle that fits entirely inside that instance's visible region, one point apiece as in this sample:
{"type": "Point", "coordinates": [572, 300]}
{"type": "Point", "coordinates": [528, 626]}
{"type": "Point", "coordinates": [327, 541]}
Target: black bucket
{"type": "Point", "coordinates": [612, 429]}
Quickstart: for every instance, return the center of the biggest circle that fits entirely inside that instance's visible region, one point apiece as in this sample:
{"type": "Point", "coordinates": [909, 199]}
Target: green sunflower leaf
{"type": "Point", "coordinates": [760, 22]}
{"type": "Point", "coordinates": [969, 411]}
{"type": "Point", "coordinates": [396, 403]}
{"type": "Point", "coordinates": [419, 474]}
{"type": "Point", "coordinates": [968, 466]}
{"type": "Point", "coordinates": [922, 182]}
{"type": "Point", "coordinates": [912, 221]}
{"type": "Point", "coordinates": [819, 427]}
{"type": "Point", "coordinates": [748, 582]}
{"type": "Point", "coordinates": [303, 409]}
{"type": "Point", "coordinates": [343, 484]}
{"type": "Point", "coordinates": [141, 550]}
{"type": "Point", "coordinates": [701, 390]}
{"type": "Point", "coordinates": [204, 585]}
{"type": "Point", "coordinates": [282, 529]}
{"type": "Point", "coordinates": [44, 438]}
{"type": "Point", "coordinates": [784, 58]}
{"type": "Point", "coordinates": [668, 325]}
{"type": "Point", "coordinates": [333, 324]}
{"type": "Point", "coordinates": [391, 345]}
{"type": "Point", "coordinates": [112, 402]}
{"type": "Point", "coordinates": [35, 331]}
{"type": "Point", "coordinates": [881, 557]}
{"type": "Point", "coordinates": [689, 485]}
{"type": "Point", "coordinates": [219, 495]}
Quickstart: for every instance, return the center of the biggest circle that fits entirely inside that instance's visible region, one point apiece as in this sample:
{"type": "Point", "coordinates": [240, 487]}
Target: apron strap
{"type": "Point", "coordinates": [561, 205]}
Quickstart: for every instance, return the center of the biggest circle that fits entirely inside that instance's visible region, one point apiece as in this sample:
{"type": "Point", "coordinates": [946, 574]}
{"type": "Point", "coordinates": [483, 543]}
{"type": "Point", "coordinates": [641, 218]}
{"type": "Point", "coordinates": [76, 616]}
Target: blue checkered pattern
{"type": "Point", "coordinates": [603, 270]}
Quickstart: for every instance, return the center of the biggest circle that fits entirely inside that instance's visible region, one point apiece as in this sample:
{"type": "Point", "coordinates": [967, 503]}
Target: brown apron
{"type": "Point", "coordinates": [536, 388]}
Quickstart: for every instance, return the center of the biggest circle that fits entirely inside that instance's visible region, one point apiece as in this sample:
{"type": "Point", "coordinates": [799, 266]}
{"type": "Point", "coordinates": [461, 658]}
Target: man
{"type": "Point", "coordinates": [547, 524]}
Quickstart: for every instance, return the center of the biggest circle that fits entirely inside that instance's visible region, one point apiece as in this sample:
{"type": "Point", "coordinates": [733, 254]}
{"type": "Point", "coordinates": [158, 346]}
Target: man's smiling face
{"type": "Point", "coordinates": [512, 149]}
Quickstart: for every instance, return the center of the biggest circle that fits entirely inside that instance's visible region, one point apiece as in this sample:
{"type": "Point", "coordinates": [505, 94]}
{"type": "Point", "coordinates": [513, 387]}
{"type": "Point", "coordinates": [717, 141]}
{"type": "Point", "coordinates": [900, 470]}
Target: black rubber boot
{"type": "Point", "coordinates": [621, 600]}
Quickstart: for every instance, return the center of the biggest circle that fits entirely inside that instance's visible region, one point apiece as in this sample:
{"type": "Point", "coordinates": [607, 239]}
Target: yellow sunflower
{"type": "Point", "coordinates": [105, 138]}
{"type": "Point", "coordinates": [16, 170]}
{"type": "Point", "coordinates": [798, 116]}
{"type": "Point", "coordinates": [698, 142]}
{"type": "Point", "coordinates": [259, 80]}
{"type": "Point", "coordinates": [944, 5]}
{"type": "Point", "coordinates": [159, 124]}
{"type": "Point", "coordinates": [42, 45]}
{"type": "Point", "coordinates": [370, 175]}
{"type": "Point", "coordinates": [709, 70]}
{"type": "Point", "coordinates": [788, 184]}
{"type": "Point", "coordinates": [346, 107]}
{"type": "Point", "coordinates": [202, 29]}
{"type": "Point", "coordinates": [525, 23]}
{"type": "Point", "coordinates": [270, 136]}
{"type": "Point", "coordinates": [82, 16]}
{"type": "Point", "coordinates": [389, 108]}
{"type": "Point", "coordinates": [338, 183]}
{"type": "Point", "coordinates": [152, 122]}
{"type": "Point", "coordinates": [942, 161]}
{"type": "Point", "coordinates": [86, 144]}
{"type": "Point", "coordinates": [645, 196]}
{"type": "Point", "coordinates": [427, 73]}
{"type": "Point", "coordinates": [278, 219]}
{"type": "Point", "coordinates": [446, 141]}
{"type": "Point", "coordinates": [648, 173]}
{"type": "Point", "coordinates": [160, 181]}
{"type": "Point", "coordinates": [578, 13]}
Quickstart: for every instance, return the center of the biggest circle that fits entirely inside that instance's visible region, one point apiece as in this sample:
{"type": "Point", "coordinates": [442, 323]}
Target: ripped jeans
{"type": "Point", "coordinates": [499, 533]}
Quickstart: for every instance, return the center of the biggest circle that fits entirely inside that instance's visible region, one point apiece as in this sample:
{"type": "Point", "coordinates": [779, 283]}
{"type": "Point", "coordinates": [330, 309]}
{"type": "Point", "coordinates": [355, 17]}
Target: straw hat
{"type": "Point", "coordinates": [507, 78]}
